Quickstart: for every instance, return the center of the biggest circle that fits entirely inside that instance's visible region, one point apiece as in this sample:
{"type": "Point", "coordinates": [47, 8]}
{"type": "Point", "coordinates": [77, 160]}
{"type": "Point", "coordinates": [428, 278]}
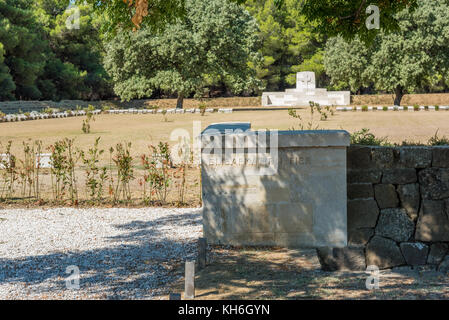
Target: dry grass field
{"type": "Point", "coordinates": [143, 130]}
{"type": "Point", "coordinates": [149, 129]}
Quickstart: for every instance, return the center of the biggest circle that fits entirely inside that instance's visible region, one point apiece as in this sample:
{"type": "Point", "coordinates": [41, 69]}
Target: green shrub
{"type": "Point", "coordinates": [364, 108]}
{"type": "Point", "coordinates": [437, 108]}
{"type": "Point", "coordinates": [437, 141]}
{"type": "Point", "coordinates": [416, 107]}
{"type": "Point", "coordinates": [384, 108]}
{"type": "Point", "coordinates": [364, 137]}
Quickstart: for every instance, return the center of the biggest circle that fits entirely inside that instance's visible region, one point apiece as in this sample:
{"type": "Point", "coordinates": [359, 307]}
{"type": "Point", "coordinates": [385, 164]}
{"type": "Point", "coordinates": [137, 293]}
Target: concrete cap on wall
{"type": "Point", "coordinates": [286, 139]}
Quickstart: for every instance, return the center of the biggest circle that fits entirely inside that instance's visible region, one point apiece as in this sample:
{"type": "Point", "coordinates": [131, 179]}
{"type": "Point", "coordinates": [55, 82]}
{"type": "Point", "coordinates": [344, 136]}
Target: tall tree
{"type": "Point", "coordinates": [73, 68]}
{"type": "Point", "coordinates": [215, 38]}
{"type": "Point", "coordinates": [289, 43]}
{"type": "Point", "coordinates": [406, 61]}
{"type": "Point", "coordinates": [7, 85]}
{"type": "Point", "coordinates": [82, 49]}
{"type": "Point", "coordinates": [23, 46]}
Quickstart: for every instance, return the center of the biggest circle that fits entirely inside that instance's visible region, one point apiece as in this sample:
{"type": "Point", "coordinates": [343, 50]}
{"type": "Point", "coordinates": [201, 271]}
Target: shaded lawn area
{"type": "Point", "coordinates": [247, 274]}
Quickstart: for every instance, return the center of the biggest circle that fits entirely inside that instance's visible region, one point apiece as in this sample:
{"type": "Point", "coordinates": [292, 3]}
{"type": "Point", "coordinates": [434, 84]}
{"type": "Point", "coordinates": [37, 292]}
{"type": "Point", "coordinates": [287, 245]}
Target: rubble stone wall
{"type": "Point", "coordinates": [398, 209]}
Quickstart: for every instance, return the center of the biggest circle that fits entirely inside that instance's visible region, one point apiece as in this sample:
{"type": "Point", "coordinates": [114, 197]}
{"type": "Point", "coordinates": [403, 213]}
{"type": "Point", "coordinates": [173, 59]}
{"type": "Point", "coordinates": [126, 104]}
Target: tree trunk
{"type": "Point", "coordinates": [399, 92]}
{"type": "Point", "coordinates": [180, 101]}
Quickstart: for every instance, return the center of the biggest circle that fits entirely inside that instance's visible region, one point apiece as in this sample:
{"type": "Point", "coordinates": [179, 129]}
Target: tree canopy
{"type": "Point", "coordinates": [40, 58]}
{"type": "Point", "coordinates": [216, 39]}
{"type": "Point", "coordinates": [289, 43]}
{"type": "Point", "coordinates": [405, 61]}
{"type": "Point", "coordinates": [332, 17]}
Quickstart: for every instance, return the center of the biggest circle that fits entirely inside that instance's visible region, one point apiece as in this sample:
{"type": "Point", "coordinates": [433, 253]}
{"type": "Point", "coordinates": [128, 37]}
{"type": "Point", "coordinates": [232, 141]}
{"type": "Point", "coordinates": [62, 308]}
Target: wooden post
{"type": "Point", "coordinates": [189, 292]}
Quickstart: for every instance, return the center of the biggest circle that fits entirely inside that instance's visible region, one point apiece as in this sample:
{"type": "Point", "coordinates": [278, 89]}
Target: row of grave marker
{"type": "Point", "coordinates": [393, 108]}
{"type": "Point", "coordinates": [34, 115]}
{"type": "Point", "coordinates": [173, 110]}
{"type": "Point", "coordinates": [42, 161]}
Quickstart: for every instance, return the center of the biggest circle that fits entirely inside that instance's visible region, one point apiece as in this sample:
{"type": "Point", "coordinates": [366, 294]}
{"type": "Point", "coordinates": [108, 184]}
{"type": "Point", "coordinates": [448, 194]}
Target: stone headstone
{"type": "Point", "coordinates": [285, 188]}
{"type": "Point", "coordinates": [5, 161]}
{"type": "Point", "coordinates": [43, 160]}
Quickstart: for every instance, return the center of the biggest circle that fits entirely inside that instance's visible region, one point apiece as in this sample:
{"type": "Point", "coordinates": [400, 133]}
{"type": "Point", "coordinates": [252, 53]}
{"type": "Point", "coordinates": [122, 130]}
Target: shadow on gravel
{"type": "Point", "coordinates": [263, 273]}
{"type": "Point", "coordinates": [137, 261]}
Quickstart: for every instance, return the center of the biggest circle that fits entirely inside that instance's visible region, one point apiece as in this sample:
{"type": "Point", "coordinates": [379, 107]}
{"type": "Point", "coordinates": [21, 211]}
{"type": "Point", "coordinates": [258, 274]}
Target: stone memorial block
{"type": "Point", "coordinates": [284, 188]}
{"type": "Point", "coordinates": [304, 93]}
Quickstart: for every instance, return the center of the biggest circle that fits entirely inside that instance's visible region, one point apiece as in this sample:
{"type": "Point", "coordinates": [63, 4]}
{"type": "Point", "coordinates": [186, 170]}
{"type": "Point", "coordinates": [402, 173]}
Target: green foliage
{"type": "Point", "coordinates": [22, 48]}
{"type": "Point", "coordinates": [95, 175]}
{"type": "Point", "coordinates": [347, 18]}
{"type": "Point", "coordinates": [41, 59]}
{"type": "Point", "coordinates": [156, 165]}
{"type": "Point", "coordinates": [74, 68]}
{"type": "Point", "coordinates": [119, 14]}
{"type": "Point", "coordinates": [89, 117]}
{"type": "Point", "coordinates": [125, 171]}
{"type": "Point", "coordinates": [438, 141]}
{"type": "Point", "coordinates": [216, 38]}
{"type": "Point", "coordinates": [399, 62]}
{"type": "Point", "coordinates": [365, 137]}
{"type": "Point", "coordinates": [63, 159]}
{"type": "Point", "coordinates": [290, 44]}
{"type": "Point", "coordinates": [311, 124]}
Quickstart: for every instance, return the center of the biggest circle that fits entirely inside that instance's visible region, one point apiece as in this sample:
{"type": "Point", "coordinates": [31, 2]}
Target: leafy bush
{"type": "Point", "coordinates": [157, 164]}
{"type": "Point", "coordinates": [437, 141]}
{"type": "Point", "coordinates": [63, 178]}
{"type": "Point", "coordinates": [365, 137]}
{"type": "Point", "coordinates": [89, 117]}
{"type": "Point", "coordinates": [125, 172]}
{"type": "Point", "coordinates": [95, 176]}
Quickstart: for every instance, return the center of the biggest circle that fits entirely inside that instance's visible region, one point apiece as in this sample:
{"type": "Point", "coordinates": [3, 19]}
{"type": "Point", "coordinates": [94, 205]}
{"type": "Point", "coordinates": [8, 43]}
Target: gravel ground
{"type": "Point", "coordinates": [121, 253]}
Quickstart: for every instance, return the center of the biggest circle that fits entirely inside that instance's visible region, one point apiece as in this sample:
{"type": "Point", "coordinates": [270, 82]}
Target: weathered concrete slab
{"type": "Point", "coordinates": [285, 188]}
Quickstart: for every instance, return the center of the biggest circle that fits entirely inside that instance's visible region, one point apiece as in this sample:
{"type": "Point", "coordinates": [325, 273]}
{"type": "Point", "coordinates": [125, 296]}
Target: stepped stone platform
{"type": "Point", "coordinates": [304, 93]}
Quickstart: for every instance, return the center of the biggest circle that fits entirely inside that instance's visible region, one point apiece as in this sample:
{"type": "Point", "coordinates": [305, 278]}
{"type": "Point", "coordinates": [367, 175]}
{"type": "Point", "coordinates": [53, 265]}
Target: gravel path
{"type": "Point", "coordinates": [121, 253]}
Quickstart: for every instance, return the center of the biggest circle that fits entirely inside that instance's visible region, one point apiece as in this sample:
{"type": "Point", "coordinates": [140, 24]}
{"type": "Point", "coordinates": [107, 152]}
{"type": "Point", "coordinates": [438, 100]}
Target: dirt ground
{"type": "Point", "coordinates": [283, 274]}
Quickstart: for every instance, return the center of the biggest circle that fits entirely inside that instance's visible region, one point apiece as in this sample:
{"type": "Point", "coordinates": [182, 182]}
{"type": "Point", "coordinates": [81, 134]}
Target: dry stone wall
{"type": "Point", "coordinates": [398, 209]}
